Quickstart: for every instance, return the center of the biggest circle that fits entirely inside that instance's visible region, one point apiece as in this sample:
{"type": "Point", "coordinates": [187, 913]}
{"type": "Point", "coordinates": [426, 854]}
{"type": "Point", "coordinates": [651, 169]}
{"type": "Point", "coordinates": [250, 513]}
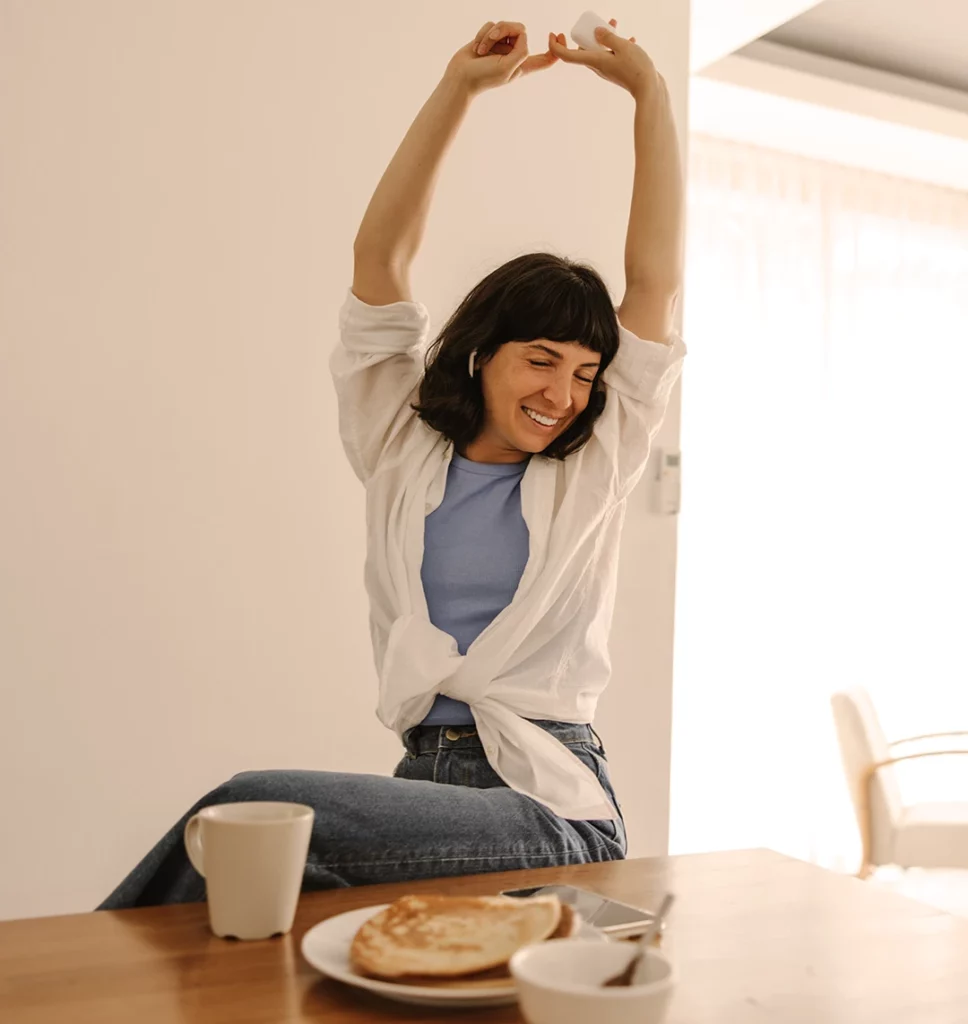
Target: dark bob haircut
{"type": "Point", "coordinates": [537, 295]}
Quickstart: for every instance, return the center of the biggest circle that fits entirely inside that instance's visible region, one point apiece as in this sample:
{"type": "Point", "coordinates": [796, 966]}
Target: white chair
{"type": "Point", "coordinates": [925, 835]}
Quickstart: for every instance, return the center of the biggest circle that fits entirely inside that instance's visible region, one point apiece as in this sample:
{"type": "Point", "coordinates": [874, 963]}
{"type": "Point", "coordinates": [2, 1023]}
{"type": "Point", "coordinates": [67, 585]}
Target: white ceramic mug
{"type": "Point", "coordinates": [252, 857]}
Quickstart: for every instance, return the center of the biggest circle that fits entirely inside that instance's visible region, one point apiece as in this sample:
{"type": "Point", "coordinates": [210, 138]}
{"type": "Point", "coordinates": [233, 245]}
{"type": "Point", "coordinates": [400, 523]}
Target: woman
{"type": "Point", "coordinates": [496, 481]}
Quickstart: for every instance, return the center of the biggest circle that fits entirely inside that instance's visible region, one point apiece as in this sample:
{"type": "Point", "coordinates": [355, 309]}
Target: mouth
{"type": "Point", "coordinates": [546, 424]}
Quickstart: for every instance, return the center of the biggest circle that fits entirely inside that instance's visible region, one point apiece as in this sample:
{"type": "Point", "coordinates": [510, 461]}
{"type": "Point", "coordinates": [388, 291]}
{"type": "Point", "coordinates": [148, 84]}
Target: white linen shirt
{"type": "Point", "coordinates": [545, 656]}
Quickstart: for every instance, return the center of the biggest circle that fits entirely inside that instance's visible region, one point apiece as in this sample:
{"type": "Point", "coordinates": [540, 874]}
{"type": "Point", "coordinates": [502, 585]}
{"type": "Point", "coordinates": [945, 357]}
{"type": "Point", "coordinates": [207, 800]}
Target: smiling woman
{"type": "Point", "coordinates": [496, 470]}
{"type": "Point", "coordinates": [517, 368]}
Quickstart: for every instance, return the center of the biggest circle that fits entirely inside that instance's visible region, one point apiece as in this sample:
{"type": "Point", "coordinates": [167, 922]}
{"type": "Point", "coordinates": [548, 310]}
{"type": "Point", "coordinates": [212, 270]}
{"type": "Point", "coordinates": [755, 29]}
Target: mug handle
{"type": "Point", "coordinates": [193, 844]}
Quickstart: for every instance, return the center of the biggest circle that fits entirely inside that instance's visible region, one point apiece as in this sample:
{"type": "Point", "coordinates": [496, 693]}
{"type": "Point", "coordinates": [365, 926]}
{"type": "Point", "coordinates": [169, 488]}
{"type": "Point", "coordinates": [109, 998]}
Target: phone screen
{"type": "Point", "coordinates": [597, 910]}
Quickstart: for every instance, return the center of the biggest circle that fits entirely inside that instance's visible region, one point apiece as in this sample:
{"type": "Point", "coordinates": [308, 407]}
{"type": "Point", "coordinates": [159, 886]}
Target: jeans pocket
{"type": "Point", "coordinates": [419, 767]}
{"type": "Point", "coordinates": [592, 757]}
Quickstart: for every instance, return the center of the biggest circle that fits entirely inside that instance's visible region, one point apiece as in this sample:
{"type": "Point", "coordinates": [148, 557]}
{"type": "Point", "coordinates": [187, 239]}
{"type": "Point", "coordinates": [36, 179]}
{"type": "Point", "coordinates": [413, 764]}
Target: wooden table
{"type": "Point", "coordinates": [757, 937]}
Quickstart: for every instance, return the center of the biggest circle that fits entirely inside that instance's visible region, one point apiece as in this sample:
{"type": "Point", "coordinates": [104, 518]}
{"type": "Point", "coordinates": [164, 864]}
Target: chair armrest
{"type": "Point", "coordinates": [927, 736]}
{"type": "Point", "coordinates": [875, 768]}
{"type": "Point", "coordinates": [867, 782]}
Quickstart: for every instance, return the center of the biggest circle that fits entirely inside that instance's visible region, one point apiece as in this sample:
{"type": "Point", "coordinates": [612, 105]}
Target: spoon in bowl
{"type": "Point", "coordinates": [624, 977]}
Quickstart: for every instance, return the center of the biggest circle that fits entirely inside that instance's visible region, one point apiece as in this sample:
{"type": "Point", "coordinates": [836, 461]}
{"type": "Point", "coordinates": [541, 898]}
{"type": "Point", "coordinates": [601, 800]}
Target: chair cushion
{"type": "Point", "coordinates": [933, 835]}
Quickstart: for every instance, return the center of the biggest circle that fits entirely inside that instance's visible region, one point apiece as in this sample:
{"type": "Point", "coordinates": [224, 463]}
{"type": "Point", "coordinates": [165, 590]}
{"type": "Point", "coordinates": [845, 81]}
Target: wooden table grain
{"type": "Point", "coordinates": [756, 937]}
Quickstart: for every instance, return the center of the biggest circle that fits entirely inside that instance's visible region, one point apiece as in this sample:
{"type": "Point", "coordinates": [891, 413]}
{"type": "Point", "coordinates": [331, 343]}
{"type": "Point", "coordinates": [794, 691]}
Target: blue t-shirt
{"type": "Point", "coordinates": [476, 546]}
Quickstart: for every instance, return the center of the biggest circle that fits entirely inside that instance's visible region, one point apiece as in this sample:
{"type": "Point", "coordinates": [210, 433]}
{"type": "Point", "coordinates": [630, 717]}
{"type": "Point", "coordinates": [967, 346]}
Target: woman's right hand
{"type": "Point", "coordinates": [497, 55]}
{"type": "Point", "coordinates": [623, 63]}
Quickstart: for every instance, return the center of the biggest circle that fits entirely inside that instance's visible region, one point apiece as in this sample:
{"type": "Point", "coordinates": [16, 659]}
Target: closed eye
{"type": "Point", "coordinates": [545, 364]}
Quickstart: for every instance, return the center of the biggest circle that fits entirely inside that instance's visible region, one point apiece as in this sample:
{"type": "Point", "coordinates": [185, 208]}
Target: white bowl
{"type": "Point", "coordinates": [559, 982]}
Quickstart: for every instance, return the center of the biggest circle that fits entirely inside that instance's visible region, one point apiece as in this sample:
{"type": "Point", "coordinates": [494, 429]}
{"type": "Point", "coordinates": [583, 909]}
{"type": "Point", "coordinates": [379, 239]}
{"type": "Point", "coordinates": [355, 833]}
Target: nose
{"type": "Point", "coordinates": [558, 392]}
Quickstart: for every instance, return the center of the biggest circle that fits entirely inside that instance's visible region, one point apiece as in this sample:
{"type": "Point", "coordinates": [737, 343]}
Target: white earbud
{"type": "Point", "coordinates": [470, 363]}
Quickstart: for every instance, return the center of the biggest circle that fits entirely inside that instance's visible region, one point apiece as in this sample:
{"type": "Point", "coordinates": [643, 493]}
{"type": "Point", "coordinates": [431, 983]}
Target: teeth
{"type": "Point", "coordinates": [545, 421]}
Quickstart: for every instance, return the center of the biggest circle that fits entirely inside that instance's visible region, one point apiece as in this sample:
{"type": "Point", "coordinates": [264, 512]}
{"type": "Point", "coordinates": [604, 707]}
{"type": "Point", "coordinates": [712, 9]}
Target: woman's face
{"type": "Point", "coordinates": [533, 391]}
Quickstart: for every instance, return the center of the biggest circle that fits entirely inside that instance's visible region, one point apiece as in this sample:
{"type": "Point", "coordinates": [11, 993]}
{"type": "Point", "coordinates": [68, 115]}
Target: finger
{"type": "Point", "coordinates": [498, 31]}
{"type": "Point", "coordinates": [482, 32]}
{"type": "Point", "coordinates": [519, 53]}
{"type": "Point", "coordinates": [503, 29]}
{"type": "Point", "coordinates": [538, 62]}
{"type": "Point", "coordinates": [560, 48]}
{"type": "Point", "coordinates": [610, 39]}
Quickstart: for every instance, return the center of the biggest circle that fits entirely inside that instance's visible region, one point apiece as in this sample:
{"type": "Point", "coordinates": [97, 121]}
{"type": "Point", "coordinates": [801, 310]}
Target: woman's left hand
{"type": "Point", "coordinates": [623, 63]}
{"type": "Point", "coordinates": [498, 54]}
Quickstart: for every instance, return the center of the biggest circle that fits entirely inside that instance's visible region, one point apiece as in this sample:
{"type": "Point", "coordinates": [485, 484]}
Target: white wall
{"type": "Point", "coordinates": [181, 542]}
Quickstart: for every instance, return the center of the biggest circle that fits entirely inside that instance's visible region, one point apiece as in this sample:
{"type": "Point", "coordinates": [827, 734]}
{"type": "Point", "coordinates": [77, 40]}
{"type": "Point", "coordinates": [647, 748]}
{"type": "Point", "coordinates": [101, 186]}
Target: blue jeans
{"type": "Point", "coordinates": [444, 812]}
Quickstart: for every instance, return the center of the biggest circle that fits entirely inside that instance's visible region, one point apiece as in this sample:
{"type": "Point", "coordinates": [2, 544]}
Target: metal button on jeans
{"type": "Point", "coordinates": [452, 734]}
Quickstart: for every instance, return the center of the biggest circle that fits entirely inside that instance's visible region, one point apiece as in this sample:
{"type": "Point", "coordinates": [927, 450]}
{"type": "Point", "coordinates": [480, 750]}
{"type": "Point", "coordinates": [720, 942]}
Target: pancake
{"type": "Point", "coordinates": [439, 937]}
{"type": "Point", "coordinates": [493, 977]}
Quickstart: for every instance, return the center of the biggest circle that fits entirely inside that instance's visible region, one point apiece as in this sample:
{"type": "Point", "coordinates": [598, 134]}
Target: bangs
{"type": "Point", "coordinates": [560, 309]}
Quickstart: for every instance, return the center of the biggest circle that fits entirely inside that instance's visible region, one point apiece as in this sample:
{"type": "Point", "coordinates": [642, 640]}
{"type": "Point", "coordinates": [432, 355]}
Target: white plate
{"type": "Point", "coordinates": [327, 947]}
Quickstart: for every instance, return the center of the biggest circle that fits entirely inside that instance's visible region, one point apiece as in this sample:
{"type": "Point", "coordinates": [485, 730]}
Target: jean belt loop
{"type": "Point", "coordinates": [598, 738]}
{"type": "Point", "coordinates": [410, 743]}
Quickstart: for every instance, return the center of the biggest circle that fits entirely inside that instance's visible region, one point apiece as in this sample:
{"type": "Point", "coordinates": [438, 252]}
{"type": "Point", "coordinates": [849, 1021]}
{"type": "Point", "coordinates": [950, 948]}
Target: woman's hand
{"type": "Point", "coordinates": [497, 55]}
{"type": "Point", "coordinates": [623, 63]}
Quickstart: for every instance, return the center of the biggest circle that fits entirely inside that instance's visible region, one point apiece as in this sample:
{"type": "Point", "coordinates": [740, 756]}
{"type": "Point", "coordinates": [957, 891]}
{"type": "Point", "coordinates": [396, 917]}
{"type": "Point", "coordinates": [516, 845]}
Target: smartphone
{"type": "Point", "coordinates": [617, 920]}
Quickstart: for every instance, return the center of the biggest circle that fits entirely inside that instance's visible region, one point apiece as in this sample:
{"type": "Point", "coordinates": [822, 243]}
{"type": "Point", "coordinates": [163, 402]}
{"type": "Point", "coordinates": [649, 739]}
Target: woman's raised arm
{"type": "Point", "coordinates": [393, 226]}
{"type": "Point", "coordinates": [655, 239]}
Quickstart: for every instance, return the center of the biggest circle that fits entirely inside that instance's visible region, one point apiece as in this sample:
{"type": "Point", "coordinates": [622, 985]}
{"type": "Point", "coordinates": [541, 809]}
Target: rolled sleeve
{"type": "Point", "coordinates": [639, 380]}
{"type": "Point", "coordinates": [376, 368]}
{"type": "Point", "coordinates": [645, 371]}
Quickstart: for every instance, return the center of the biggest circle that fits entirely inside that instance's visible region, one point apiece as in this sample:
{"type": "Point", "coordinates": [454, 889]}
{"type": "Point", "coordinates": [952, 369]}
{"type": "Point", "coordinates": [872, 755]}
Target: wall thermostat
{"type": "Point", "coordinates": [668, 480]}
